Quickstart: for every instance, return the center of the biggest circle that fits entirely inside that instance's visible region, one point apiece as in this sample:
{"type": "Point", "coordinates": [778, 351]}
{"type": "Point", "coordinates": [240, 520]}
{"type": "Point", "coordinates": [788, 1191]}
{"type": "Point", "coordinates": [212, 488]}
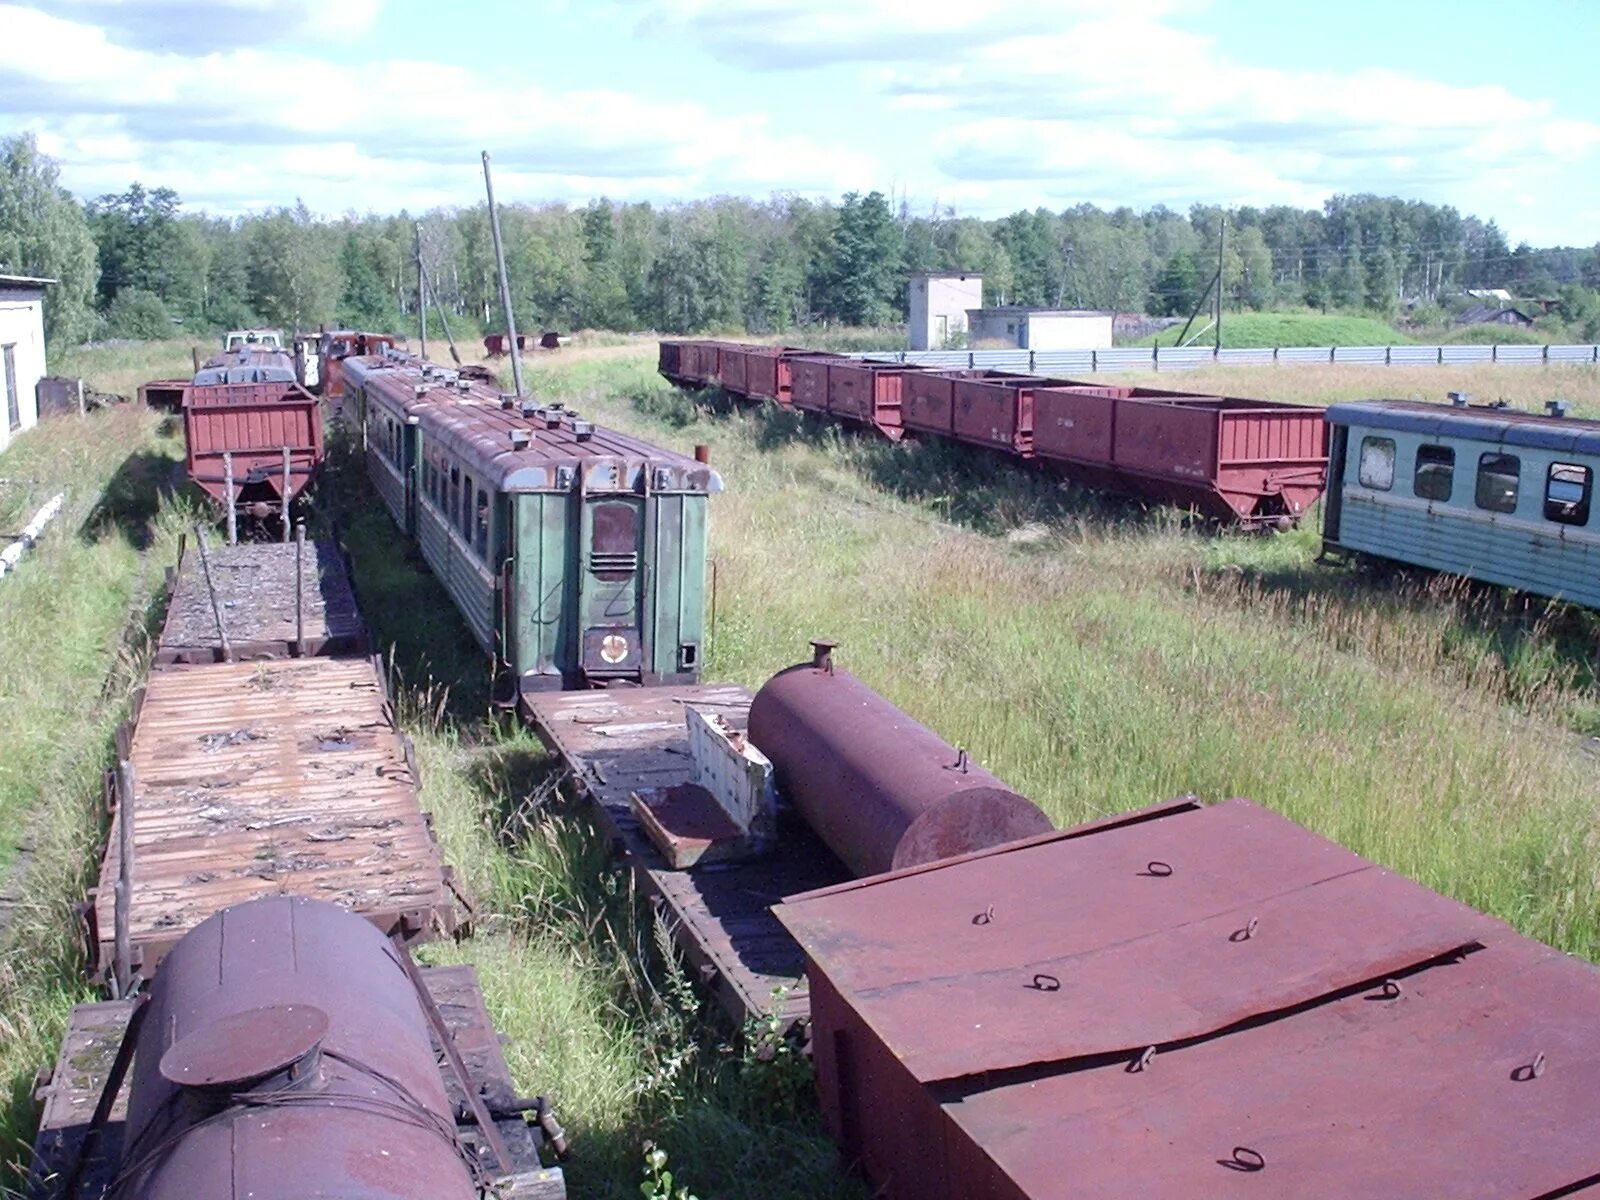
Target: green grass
{"type": "Point", "coordinates": [1249, 329]}
{"type": "Point", "coordinates": [73, 621]}
{"type": "Point", "coordinates": [1099, 656]}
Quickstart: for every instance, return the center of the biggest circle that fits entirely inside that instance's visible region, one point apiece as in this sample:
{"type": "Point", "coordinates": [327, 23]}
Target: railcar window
{"type": "Point", "coordinates": [1435, 473]}
{"type": "Point", "coordinates": [481, 540]}
{"type": "Point", "coordinates": [1377, 463]}
{"type": "Point", "coordinates": [1566, 493]}
{"type": "Point", "coordinates": [466, 508]}
{"type": "Point", "coordinates": [1497, 482]}
{"type": "Point", "coordinates": [455, 489]}
{"type": "Point", "coordinates": [613, 548]}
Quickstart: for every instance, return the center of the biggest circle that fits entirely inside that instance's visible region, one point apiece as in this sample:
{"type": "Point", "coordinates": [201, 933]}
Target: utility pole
{"type": "Point", "coordinates": [505, 285]}
{"type": "Point", "coordinates": [1222, 248]}
{"type": "Point", "coordinates": [422, 292]}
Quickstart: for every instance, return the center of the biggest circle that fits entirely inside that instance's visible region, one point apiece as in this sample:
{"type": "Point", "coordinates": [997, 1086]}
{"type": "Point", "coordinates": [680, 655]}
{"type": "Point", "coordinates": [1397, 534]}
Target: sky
{"type": "Point", "coordinates": [981, 106]}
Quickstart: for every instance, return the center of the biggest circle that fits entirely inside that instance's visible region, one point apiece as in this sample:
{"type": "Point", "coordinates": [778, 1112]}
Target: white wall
{"type": "Point", "coordinates": [941, 296]}
{"type": "Point", "coordinates": [22, 326]}
{"type": "Point", "coordinates": [1066, 331]}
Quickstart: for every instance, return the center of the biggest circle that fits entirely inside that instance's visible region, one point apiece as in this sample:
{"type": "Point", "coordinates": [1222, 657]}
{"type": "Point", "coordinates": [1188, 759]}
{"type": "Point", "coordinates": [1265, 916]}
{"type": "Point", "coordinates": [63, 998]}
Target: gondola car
{"type": "Point", "coordinates": [576, 554]}
{"type": "Point", "coordinates": [1481, 491]}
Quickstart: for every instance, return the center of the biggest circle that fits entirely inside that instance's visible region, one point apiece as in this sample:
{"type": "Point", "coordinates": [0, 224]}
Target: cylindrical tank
{"type": "Point", "coordinates": [284, 1054]}
{"type": "Point", "coordinates": [882, 790]}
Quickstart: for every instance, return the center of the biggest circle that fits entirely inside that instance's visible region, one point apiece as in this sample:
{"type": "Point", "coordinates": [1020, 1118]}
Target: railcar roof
{"type": "Point", "coordinates": [247, 364]}
{"type": "Point", "coordinates": [1480, 423]}
{"type": "Point", "coordinates": [470, 419]}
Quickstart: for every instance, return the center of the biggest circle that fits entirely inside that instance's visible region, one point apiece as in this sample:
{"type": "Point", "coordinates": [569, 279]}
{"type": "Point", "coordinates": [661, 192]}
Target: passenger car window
{"type": "Point", "coordinates": [1497, 482]}
{"type": "Point", "coordinates": [1435, 473]}
{"type": "Point", "coordinates": [1377, 463]}
{"type": "Point", "coordinates": [466, 508]}
{"type": "Point", "coordinates": [481, 540]}
{"type": "Point", "coordinates": [1566, 493]}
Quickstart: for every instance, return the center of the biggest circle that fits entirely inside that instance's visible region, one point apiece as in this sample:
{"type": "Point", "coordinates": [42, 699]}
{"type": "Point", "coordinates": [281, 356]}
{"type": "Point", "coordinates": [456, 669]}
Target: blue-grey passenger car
{"type": "Point", "coordinates": [1482, 491]}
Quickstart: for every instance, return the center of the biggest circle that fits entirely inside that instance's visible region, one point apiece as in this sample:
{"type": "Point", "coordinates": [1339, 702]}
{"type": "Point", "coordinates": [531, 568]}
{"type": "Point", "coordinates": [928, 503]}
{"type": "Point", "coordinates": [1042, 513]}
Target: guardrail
{"type": "Point", "coordinates": [1172, 358]}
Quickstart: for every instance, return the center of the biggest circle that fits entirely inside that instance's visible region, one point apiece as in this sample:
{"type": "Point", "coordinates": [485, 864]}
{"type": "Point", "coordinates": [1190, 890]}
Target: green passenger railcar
{"type": "Point", "coordinates": [1483, 491]}
{"type": "Point", "coordinates": [576, 554]}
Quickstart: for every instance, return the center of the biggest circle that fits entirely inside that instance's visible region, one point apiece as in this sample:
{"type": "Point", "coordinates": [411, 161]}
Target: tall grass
{"type": "Point", "coordinates": [1100, 656]}
{"type": "Point", "coordinates": [73, 636]}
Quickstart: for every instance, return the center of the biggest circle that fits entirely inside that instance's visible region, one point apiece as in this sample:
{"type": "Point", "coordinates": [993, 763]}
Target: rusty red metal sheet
{"type": "Point", "coordinates": [868, 393]}
{"type": "Point", "coordinates": [880, 788]}
{"type": "Point", "coordinates": [1430, 1092]}
{"type": "Point", "coordinates": [996, 412]}
{"type": "Point", "coordinates": [809, 382]}
{"type": "Point", "coordinates": [1148, 1054]}
{"type": "Point", "coordinates": [1079, 946]}
{"type": "Point", "coordinates": [254, 423]}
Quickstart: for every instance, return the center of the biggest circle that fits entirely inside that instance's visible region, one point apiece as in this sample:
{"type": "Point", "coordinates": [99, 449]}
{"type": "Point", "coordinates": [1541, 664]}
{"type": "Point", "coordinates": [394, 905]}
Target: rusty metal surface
{"type": "Point", "coordinates": [1431, 1093]}
{"type": "Point", "coordinates": [256, 589]}
{"type": "Point", "coordinates": [1077, 946]}
{"type": "Point", "coordinates": [476, 424]}
{"type": "Point", "coordinates": [1194, 1002]}
{"type": "Point", "coordinates": [253, 422]}
{"type": "Point", "coordinates": [369, 1118]}
{"type": "Point", "coordinates": [995, 412]}
{"type": "Point", "coordinates": [882, 790]}
{"type": "Point", "coordinates": [83, 1062]}
{"type": "Point", "coordinates": [278, 777]}
{"type": "Point", "coordinates": [868, 393]}
{"type": "Point", "coordinates": [617, 742]}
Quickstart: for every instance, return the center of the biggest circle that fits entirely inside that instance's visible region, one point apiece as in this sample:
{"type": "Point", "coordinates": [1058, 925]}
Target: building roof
{"type": "Point", "coordinates": [945, 275]}
{"type": "Point", "coordinates": [1483, 314]}
{"type": "Point", "coordinates": [26, 281]}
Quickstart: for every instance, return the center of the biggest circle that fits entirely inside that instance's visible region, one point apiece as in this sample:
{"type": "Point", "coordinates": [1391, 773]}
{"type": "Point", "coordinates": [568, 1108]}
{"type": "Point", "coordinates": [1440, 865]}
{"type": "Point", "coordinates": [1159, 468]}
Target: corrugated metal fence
{"type": "Point", "coordinates": [1171, 358]}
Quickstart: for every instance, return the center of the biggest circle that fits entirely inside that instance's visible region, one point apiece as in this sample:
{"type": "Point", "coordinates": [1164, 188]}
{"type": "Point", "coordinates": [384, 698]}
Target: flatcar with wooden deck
{"type": "Point", "coordinates": [576, 554]}
{"type": "Point", "coordinates": [1497, 495]}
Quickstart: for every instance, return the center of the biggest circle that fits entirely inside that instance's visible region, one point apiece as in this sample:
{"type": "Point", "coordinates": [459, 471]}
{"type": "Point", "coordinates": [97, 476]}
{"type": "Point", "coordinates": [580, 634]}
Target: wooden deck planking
{"type": "Point", "coordinates": [616, 741]}
{"type": "Point", "coordinates": [255, 779]}
{"type": "Point", "coordinates": [255, 590]}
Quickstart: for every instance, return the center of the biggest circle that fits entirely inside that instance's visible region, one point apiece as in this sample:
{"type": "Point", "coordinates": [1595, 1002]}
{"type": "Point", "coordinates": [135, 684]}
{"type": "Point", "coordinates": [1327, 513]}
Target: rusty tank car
{"type": "Point", "coordinates": [287, 1049]}
{"type": "Point", "coordinates": [881, 789]}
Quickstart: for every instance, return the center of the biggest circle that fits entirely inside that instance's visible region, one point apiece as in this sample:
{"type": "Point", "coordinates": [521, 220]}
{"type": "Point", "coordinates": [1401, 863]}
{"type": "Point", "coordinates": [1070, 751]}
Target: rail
{"type": "Point", "coordinates": [1173, 358]}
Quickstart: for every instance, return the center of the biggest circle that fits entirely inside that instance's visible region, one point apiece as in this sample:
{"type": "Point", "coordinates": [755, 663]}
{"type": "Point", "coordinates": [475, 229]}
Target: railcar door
{"type": "Point", "coordinates": [610, 585]}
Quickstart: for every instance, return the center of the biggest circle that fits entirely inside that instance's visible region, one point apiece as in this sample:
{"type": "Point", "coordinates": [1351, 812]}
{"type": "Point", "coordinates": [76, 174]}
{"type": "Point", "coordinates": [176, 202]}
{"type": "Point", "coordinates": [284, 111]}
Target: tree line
{"type": "Point", "coordinates": [135, 264]}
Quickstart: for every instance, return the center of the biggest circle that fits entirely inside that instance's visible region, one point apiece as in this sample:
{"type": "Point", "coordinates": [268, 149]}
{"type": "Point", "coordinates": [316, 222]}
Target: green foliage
{"type": "Point", "coordinates": [138, 314]}
{"type": "Point", "coordinates": [658, 1180]}
{"type": "Point", "coordinates": [866, 287]}
{"type": "Point", "coordinates": [43, 232]}
{"type": "Point", "coordinates": [1242, 329]}
{"type": "Point", "coordinates": [145, 246]}
{"type": "Point", "coordinates": [294, 272]}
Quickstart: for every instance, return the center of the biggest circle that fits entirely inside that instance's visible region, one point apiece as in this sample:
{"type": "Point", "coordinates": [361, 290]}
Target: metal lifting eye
{"type": "Point", "coordinates": [1146, 1057]}
{"type": "Point", "coordinates": [1157, 869]}
{"type": "Point", "coordinates": [1245, 934]}
{"type": "Point", "coordinates": [1244, 1158]}
{"type": "Point", "coordinates": [1045, 983]}
{"type": "Point", "coordinates": [1530, 1071]}
{"type": "Point", "coordinates": [986, 916]}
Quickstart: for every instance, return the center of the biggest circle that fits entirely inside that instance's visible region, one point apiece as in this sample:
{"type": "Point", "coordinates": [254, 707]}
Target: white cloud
{"type": "Point", "coordinates": [243, 121]}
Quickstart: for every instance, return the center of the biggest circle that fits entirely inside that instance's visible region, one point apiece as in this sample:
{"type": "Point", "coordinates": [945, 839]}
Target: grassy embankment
{"type": "Point", "coordinates": [1095, 655]}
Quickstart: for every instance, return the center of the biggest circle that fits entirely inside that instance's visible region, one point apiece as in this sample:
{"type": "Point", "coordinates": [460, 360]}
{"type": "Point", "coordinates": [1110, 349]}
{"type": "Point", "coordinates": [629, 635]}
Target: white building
{"type": "Point", "coordinates": [21, 351]}
{"type": "Point", "coordinates": [1042, 328]}
{"type": "Point", "coordinates": [939, 307]}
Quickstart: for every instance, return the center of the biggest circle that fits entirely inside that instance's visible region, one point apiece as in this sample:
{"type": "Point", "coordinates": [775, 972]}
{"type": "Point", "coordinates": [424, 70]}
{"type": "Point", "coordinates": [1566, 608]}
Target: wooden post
{"type": "Point", "coordinates": [82, 407]}
{"type": "Point", "coordinates": [227, 492]}
{"type": "Point", "coordinates": [122, 953]}
{"type": "Point", "coordinates": [299, 609]}
{"type": "Point", "coordinates": [211, 590]}
{"type": "Point", "coordinates": [283, 512]}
